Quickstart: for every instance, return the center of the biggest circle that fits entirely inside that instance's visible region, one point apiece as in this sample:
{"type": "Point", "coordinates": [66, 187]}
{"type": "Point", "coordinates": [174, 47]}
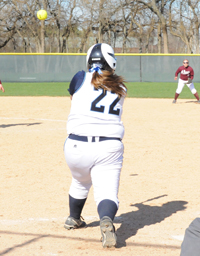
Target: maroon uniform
{"type": "Point", "coordinates": [186, 77]}
{"type": "Point", "coordinates": [186, 72]}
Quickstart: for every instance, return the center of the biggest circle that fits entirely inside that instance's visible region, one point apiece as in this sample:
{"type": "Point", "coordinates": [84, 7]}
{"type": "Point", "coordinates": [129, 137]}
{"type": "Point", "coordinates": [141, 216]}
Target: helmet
{"type": "Point", "coordinates": [102, 54]}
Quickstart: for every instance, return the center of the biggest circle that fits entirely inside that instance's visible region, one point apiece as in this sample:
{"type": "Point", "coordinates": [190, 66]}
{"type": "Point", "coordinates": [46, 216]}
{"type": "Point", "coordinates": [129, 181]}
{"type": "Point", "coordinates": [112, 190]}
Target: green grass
{"type": "Point", "coordinates": [35, 89]}
{"type": "Point", "coordinates": [136, 90]}
{"type": "Point", "coordinates": [158, 90]}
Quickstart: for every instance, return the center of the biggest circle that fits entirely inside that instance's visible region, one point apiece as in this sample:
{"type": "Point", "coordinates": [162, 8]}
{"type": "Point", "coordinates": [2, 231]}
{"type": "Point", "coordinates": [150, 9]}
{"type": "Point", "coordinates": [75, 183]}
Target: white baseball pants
{"type": "Point", "coordinates": [181, 84]}
{"type": "Point", "coordinates": [94, 163]}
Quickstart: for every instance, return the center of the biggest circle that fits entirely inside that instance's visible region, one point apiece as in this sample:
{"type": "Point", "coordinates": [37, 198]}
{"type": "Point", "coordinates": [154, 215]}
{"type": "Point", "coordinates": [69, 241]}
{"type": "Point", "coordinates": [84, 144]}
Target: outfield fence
{"type": "Point", "coordinates": [53, 67]}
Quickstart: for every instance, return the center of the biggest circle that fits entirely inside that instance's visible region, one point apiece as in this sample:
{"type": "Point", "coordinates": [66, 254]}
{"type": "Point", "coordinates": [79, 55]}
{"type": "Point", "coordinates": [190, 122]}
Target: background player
{"type": "Point", "coordinates": [1, 87]}
{"type": "Point", "coordinates": [93, 149]}
{"type": "Point", "coordinates": [186, 77]}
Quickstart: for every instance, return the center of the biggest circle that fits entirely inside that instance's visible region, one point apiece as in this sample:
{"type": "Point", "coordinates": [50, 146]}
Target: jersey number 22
{"type": "Point", "coordinates": [101, 108]}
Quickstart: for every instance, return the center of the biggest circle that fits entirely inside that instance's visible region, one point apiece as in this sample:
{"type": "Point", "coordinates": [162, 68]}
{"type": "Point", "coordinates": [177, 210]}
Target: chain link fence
{"type": "Point", "coordinates": [62, 67]}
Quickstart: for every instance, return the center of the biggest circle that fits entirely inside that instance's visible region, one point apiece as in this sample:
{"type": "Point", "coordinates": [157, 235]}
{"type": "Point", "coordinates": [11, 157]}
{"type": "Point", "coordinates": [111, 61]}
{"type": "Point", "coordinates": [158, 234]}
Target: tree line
{"type": "Point", "coordinates": [140, 26]}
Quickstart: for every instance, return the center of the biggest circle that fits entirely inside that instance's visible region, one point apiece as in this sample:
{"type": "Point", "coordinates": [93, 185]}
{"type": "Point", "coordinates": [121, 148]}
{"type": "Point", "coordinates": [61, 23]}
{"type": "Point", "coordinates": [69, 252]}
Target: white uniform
{"type": "Point", "coordinates": [182, 83]}
{"type": "Point", "coordinates": [94, 115]}
{"type": "Point", "coordinates": [95, 112]}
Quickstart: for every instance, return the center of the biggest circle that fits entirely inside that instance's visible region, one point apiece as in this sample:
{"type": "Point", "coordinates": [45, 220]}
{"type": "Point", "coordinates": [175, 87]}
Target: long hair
{"type": "Point", "coordinates": [109, 81]}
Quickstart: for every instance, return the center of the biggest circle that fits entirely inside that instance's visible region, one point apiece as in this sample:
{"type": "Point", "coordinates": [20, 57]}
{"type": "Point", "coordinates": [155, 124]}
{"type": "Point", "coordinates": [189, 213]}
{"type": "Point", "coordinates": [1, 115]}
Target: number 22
{"type": "Point", "coordinates": [101, 108]}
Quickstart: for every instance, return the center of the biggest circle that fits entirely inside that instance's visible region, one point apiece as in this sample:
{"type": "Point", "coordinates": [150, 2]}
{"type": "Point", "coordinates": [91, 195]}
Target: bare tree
{"type": "Point", "coordinates": [180, 24]}
{"type": "Point", "coordinates": [75, 25]}
{"type": "Point", "coordinates": [9, 23]}
{"type": "Point", "coordinates": [72, 22]}
{"type": "Point", "coordinates": [194, 5]}
{"type": "Point", "coordinates": [86, 22]}
{"type": "Point", "coordinates": [29, 28]}
{"type": "Point", "coordinates": [149, 31]}
{"type": "Point", "coordinates": [158, 7]}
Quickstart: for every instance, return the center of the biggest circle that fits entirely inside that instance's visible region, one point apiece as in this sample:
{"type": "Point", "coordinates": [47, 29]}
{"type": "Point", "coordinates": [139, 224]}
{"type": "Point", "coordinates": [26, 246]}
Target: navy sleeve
{"type": "Point", "coordinates": [76, 82]}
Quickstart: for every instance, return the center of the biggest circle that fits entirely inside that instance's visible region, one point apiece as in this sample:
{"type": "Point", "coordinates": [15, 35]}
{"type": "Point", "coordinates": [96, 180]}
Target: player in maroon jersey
{"type": "Point", "coordinates": [186, 77]}
{"type": "Point", "coordinates": [1, 87]}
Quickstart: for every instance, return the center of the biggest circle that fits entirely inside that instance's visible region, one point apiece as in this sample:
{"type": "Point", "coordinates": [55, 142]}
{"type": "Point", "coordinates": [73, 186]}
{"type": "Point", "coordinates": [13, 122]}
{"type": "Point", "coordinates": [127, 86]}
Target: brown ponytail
{"type": "Point", "coordinates": [110, 82]}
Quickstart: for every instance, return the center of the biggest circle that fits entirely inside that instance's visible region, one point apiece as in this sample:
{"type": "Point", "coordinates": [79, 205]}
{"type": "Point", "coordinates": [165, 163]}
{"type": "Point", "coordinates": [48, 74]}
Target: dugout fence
{"type": "Point", "coordinates": [55, 67]}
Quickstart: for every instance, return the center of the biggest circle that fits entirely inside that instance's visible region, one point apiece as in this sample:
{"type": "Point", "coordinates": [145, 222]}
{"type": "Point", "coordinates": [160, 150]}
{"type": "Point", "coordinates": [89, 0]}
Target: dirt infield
{"type": "Point", "coordinates": [159, 187]}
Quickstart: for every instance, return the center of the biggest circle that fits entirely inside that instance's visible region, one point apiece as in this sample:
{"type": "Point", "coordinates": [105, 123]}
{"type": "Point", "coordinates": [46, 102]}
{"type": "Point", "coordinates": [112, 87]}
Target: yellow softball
{"type": "Point", "coordinates": [42, 14]}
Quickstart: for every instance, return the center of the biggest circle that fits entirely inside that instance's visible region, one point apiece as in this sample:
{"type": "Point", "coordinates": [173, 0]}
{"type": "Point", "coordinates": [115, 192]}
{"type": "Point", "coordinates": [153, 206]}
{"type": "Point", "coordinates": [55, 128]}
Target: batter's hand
{"type": "Point", "coordinates": [1, 88]}
{"type": "Point", "coordinates": [175, 78]}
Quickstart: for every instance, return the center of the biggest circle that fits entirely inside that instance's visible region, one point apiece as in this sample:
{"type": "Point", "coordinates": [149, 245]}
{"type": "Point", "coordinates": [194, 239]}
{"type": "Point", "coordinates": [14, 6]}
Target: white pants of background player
{"type": "Point", "coordinates": [94, 163]}
{"type": "Point", "coordinates": [182, 83]}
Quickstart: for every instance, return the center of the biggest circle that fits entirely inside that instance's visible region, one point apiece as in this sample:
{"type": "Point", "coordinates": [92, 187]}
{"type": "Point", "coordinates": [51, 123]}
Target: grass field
{"type": "Point", "coordinates": [136, 90]}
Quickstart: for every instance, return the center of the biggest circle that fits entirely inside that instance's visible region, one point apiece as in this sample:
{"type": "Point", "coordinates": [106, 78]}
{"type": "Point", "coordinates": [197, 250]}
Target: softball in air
{"type": "Point", "coordinates": [42, 14]}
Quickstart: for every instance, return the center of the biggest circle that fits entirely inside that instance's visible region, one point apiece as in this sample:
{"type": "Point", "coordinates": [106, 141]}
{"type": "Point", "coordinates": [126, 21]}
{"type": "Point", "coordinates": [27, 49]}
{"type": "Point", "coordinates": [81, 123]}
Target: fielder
{"type": "Point", "coordinates": [186, 77]}
{"type": "Point", "coordinates": [94, 148]}
{"type": "Point", "coordinates": [1, 87]}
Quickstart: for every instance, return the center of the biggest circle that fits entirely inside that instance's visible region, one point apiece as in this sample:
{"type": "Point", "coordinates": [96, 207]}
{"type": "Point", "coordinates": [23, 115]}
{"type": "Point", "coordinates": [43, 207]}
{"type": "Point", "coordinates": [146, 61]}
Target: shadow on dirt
{"type": "Point", "coordinates": [131, 222]}
{"type": "Point", "coordinates": [146, 215]}
{"type": "Point", "coordinates": [10, 125]}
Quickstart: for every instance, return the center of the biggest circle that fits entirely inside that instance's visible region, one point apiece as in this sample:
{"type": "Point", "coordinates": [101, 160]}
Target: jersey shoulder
{"type": "Point", "coordinates": [76, 82]}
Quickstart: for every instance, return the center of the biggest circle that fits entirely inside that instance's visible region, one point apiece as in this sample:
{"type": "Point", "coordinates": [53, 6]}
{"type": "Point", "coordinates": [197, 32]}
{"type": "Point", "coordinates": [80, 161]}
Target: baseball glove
{"type": "Point", "coordinates": [189, 81]}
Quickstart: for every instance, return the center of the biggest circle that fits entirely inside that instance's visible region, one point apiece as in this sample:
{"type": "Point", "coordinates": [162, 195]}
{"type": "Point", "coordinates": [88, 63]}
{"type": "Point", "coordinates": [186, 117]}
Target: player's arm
{"type": "Point", "coordinates": [1, 87]}
{"type": "Point", "coordinates": [177, 72]}
{"type": "Point", "coordinates": [192, 74]}
{"type": "Point", "coordinates": [76, 82]}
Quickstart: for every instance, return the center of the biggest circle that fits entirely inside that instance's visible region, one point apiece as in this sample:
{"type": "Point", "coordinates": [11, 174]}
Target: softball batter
{"type": "Point", "coordinates": [94, 148]}
{"type": "Point", "coordinates": [186, 77]}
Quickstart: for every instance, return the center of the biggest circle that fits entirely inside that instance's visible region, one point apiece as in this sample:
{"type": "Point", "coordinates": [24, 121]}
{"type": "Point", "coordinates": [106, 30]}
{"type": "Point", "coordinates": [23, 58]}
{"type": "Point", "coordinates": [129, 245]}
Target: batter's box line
{"type": "Point", "coordinates": [179, 237]}
{"type": "Point", "coordinates": [9, 222]}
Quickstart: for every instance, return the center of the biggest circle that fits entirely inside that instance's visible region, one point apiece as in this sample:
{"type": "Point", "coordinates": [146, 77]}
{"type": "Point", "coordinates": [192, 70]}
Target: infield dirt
{"type": "Point", "coordinates": [159, 186]}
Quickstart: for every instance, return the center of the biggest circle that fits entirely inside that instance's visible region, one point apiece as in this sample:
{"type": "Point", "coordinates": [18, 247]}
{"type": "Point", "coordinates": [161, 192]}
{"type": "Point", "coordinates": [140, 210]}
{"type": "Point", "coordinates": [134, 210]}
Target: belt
{"type": "Point", "coordinates": [93, 138]}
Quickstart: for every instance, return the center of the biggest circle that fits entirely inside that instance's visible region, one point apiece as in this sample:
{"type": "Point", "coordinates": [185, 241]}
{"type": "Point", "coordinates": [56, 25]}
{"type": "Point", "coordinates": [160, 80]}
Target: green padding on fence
{"type": "Point", "coordinates": [62, 67]}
